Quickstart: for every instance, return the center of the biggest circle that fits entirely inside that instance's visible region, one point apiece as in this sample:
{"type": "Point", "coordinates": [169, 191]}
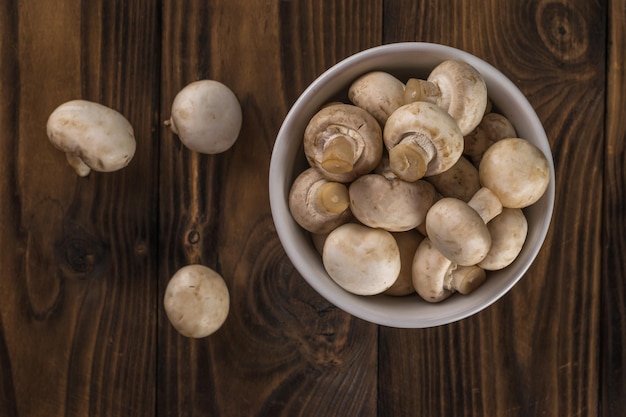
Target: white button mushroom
{"type": "Point", "coordinates": [317, 204]}
{"type": "Point", "coordinates": [456, 87]}
{"type": "Point", "coordinates": [407, 243]}
{"type": "Point", "coordinates": [508, 233]}
{"type": "Point", "coordinates": [378, 92]}
{"type": "Point", "coordinates": [361, 260]}
{"type": "Point", "coordinates": [458, 231]}
{"type": "Point", "coordinates": [93, 136]}
{"type": "Point", "coordinates": [206, 116]}
{"type": "Point", "coordinates": [422, 140]}
{"type": "Point", "coordinates": [343, 141]}
{"type": "Point", "coordinates": [460, 181]}
{"type": "Point", "coordinates": [436, 277]}
{"type": "Point", "coordinates": [390, 203]}
{"type": "Point", "coordinates": [492, 128]}
{"type": "Point", "coordinates": [430, 271]}
{"type": "Point", "coordinates": [196, 301]}
{"type": "Point", "coordinates": [516, 171]}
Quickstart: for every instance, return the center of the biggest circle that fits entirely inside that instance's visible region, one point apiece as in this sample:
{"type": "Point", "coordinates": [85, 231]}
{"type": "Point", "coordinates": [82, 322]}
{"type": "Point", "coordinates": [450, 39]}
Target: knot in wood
{"type": "Point", "coordinates": [81, 257]}
{"type": "Point", "coordinates": [564, 30]}
{"type": "Point", "coordinates": [193, 237]}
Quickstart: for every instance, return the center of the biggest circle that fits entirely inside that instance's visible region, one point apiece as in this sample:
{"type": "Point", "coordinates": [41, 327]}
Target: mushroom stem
{"type": "Point", "coordinates": [333, 197]}
{"type": "Point", "coordinates": [422, 125]}
{"type": "Point", "coordinates": [486, 204]}
{"type": "Point", "coordinates": [466, 279]}
{"type": "Point", "coordinates": [79, 166]}
{"type": "Point", "coordinates": [170, 123]}
{"type": "Point", "coordinates": [421, 90]}
{"type": "Point", "coordinates": [338, 154]}
{"type": "Point", "coordinates": [317, 204]}
{"type": "Point", "coordinates": [409, 159]}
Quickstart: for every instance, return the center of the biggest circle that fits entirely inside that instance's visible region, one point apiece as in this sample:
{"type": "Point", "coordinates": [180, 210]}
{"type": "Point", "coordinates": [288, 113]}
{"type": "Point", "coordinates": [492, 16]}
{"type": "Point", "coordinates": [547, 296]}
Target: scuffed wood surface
{"type": "Point", "coordinates": [84, 261]}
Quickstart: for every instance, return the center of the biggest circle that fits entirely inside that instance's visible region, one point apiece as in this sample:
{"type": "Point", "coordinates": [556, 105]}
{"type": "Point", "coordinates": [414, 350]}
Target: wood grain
{"type": "Point", "coordinates": [85, 261]}
{"type": "Point", "coordinates": [9, 204]}
{"type": "Point", "coordinates": [534, 352]}
{"type": "Point", "coordinates": [613, 324]}
{"type": "Point", "coordinates": [283, 350]}
{"type": "Point", "coordinates": [77, 252]}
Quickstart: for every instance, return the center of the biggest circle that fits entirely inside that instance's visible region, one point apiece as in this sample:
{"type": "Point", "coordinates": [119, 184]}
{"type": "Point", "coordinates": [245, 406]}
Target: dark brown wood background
{"type": "Point", "coordinates": [84, 261]}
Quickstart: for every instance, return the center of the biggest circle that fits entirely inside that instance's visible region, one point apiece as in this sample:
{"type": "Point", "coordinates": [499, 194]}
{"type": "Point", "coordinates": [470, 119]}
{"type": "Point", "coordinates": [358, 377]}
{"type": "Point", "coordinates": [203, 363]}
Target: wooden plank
{"type": "Point", "coordinates": [613, 325]}
{"type": "Point", "coordinates": [535, 351]}
{"type": "Point", "coordinates": [9, 205]}
{"type": "Point", "coordinates": [283, 350]}
{"type": "Point", "coordinates": [78, 324]}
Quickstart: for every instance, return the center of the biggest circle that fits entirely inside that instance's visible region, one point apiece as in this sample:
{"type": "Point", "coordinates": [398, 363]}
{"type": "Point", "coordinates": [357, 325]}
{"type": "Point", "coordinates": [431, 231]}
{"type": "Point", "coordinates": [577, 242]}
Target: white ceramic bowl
{"type": "Point", "coordinates": [404, 60]}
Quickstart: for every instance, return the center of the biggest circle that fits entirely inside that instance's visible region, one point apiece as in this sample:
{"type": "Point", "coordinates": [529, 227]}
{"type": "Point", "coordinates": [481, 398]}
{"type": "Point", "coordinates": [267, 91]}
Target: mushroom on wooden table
{"type": "Point", "coordinates": [206, 116]}
{"type": "Point", "coordinates": [93, 136]}
{"type": "Point", "coordinates": [196, 301]}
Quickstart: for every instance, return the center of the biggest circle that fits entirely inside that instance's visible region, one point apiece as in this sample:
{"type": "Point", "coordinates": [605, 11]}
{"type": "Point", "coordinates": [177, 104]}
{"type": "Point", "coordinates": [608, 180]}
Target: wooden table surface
{"type": "Point", "coordinates": [84, 261]}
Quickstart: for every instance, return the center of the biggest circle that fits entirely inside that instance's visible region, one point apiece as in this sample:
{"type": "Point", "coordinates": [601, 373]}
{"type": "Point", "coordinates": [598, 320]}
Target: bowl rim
{"type": "Point", "coordinates": [286, 226]}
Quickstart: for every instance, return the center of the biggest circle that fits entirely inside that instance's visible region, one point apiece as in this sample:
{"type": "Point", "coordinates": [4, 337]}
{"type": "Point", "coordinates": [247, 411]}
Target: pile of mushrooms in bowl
{"type": "Point", "coordinates": [391, 191]}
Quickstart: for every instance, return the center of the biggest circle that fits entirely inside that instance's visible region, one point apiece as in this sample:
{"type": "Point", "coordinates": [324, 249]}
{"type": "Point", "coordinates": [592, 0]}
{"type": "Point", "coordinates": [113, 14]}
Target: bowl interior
{"type": "Point", "coordinates": [404, 60]}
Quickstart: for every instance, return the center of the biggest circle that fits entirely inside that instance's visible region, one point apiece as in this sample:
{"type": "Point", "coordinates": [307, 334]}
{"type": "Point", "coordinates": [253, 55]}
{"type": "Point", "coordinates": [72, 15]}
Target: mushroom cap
{"type": "Point", "coordinates": [361, 260]}
{"type": "Point", "coordinates": [196, 301]}
{"type": "Point", "coordinates": [460, 181]}
{"type": "Point", "coordinates": [351, 122]}
{"type": "Point", "coordinates": [390, 204]}
{"type": "Point", "coordinates": [458, 231]}
{"type": "Point", "coordinates": [516, 171]}
{"type": "Point", "coordinates": [508, 233]}
{"type": "Point", "coordinates": [463, 93]}
{"type": "Point", "coordinates": [378, 92]}
{"type": "Point", "coordinates": [431, 270]}
{"type": "Point", "coordinates": [206, 116]}
{"type": "Point", "coordinates": [430, 126]}
{"type": "Point", "coordinates": [407, 243]}
{"type": "Point", "coordinates": [91, 134]}
{"type": "Point", "coordinates": [305, 205]}
{"type": "Point", "coordinates": [491, 128]}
